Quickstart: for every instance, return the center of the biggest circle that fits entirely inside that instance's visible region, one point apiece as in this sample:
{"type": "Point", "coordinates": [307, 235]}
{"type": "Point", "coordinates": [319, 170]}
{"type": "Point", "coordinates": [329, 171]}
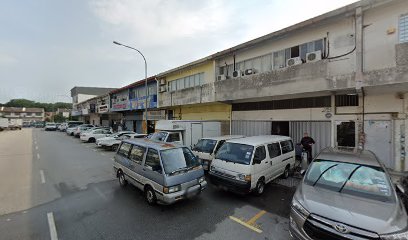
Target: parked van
{"type": "Point", "coordinates": [246, 164]}
{"type": "Point", "coordinates": [165, 172]}
{"type": "Point", "coordinates": [206, 148]}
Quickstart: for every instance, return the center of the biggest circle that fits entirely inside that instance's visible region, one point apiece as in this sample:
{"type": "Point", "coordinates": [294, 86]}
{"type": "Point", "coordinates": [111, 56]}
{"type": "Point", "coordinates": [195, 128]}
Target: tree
{"type": "Point", "coordinates": [48, 107]}
{"type": "Point", "coordinates": [58, 118]}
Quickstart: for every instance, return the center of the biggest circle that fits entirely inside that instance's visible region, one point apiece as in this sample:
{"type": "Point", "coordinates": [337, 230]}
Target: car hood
{"type": "Point", "coordinates": [368, 214]}
{"type": "Point", "coordinates": [230, 168]}
{"type": "Point", "coordinates": [184, 177]}
{"type": "Point", "coordinates": [106, 139]}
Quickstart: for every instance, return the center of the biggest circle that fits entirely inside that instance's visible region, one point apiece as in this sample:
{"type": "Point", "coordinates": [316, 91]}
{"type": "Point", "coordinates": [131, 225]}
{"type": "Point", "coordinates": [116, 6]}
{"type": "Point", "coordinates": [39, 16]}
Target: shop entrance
{"type": "Point", "coordinates": [346, 134]}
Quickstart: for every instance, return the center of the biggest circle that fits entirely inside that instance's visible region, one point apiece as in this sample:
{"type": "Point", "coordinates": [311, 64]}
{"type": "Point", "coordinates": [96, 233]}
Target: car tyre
{"type": "Point", "coordinates": [260, 187]}
{"type": "Point", "coordinates": [115, 147]}
{"type": "Point", "coordinates": [122, 180]}
{"type": "Point", "coordinates": [91, 140]}
{"type": "Point", "coordinates": [150, 196]}
{"type": "Point", "coordinates": [286, 173]}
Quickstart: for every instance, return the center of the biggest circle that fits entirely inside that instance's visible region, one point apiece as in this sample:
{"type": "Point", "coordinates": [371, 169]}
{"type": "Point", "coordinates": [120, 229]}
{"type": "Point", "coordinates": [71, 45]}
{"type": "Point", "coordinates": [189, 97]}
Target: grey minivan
{"type": "Point", "coordinates": [347, 194]}
{"type": "Point", "coordinates": [165, 172]}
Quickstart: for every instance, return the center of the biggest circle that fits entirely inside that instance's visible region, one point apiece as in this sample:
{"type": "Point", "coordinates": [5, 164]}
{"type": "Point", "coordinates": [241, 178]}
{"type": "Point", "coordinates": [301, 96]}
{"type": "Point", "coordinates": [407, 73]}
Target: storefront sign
{"type": "Point", "coordinates": [103, 108]}
{"type": "Point", "coordinates": [120, 106]}
{"type": "Point", "coordinates": [156, 115]}
{"type": "Point", "coordinates": [139, 103]}
{"type": "Point", "coordinates": [85, 111]}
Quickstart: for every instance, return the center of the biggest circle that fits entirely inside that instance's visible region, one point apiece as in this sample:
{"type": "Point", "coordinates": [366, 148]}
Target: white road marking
{"type": "Point", "coordinates": [38, 156]}
{"type": "Point", "coordinates": [103, 196]}
{"type": "Point", "coordinates": [42, 176]}
{"type": "Point", "coordinates": [51, 225]}
{"type": "Point", "coordinates": [36, 147]}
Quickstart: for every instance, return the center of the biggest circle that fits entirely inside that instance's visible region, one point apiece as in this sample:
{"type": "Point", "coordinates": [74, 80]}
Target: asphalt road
{"type": "Point", "coordinates": [52, 186]}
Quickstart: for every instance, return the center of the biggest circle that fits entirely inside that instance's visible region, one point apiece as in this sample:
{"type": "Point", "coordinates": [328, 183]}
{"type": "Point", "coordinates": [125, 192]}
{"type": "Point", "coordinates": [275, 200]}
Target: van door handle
{"type": "Point", "coordinates": [266, 162]}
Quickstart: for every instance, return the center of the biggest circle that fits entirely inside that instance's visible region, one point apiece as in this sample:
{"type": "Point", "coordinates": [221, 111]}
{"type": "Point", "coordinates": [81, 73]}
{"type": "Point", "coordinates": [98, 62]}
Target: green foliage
{"type": "Point", "coordinates": [49, 107]}
{"type": "Point", "coordinates": [59, 118]}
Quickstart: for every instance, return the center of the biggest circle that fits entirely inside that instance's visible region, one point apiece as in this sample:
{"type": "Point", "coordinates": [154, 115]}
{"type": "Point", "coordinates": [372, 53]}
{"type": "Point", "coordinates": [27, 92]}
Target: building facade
{"type": "Point", "coordinates": [80, 96]}
{"type": "Point", "coordinates": [27, 115]}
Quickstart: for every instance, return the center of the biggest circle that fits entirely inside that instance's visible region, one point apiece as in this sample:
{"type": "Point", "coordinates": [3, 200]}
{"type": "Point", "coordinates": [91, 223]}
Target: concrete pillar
{"type": "Point", "coordinates": [360, 136]}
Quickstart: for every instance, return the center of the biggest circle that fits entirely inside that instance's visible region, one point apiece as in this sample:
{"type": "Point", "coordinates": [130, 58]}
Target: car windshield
{"type": "Point", "coordinates": [205, 145]}
{"type": "Point", "coordinates": [235, 152]}
{"type": "Point", "coordinates": [349, 178]}
{"type": "Point", "coordinates": [178, 159]}
{"type": "Point", "coordinates": [159, 136]}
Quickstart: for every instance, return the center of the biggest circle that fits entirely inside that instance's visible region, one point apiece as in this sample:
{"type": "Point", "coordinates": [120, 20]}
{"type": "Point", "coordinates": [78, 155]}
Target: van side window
{"type": "Point", "coordinates": [173, 137]}
{"type": "Point", "coordinates": [260, 153]}
{"type": "Point", "coordinates": [287, 146]}
{"type": "Point", "coordinates": [124, 149]}
{"type": "Point", "coordinates": [137, 153]}
{"type": "Point", "coordinates": [153, 160]}
{"type": "Point", "coordinates": [274, 150]}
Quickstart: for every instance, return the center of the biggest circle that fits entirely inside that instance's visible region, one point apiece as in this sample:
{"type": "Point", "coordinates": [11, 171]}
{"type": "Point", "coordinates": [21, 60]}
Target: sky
{"type": "Point", "coordinates": [49, 46]}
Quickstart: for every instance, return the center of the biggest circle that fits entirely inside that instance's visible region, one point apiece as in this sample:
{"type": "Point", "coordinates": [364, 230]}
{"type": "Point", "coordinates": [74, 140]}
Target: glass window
{"type": "Point", "coordinates": [318, 45]}
{"type": "Point", "coordinates": [159, 136]}
{"type": "Point", "coordinates": [260, 153]}
{"type": "Point", "coordinates": [403, 28]}
{"type": "Point", "coordinates": [219, 145]}
{"type": "Point", "coordinates": [287, 146]}
{"type": "Point", "coordinates": [279, 59]}
{"type": "Point", "coordinates": [178, 159]}
{"type": "Point", "coordinates": [266, 63]}
{"type": "Point", "coordinates": [274, 150]}
{"type": "Point", "coordinates": [187, 82]}
{"type": "Point", "coordinates": [205, 145]}
{"type": "Point", "coordinates": [173, 137]}
{"type": "Point", "coordinates": [364, 181]}
{"type": "Point", "coordinates": [235, 152]}
{"type": "Point", "coordinates": [124, 149]}
{"type": "Point", "coordinates": [201, 78]}
{"type": "Point", "coordinates": [137, 153]}
{"type": "Point", "coordinates": [197, 80]}
{"type": "Point", "coordinates": [153, 160]}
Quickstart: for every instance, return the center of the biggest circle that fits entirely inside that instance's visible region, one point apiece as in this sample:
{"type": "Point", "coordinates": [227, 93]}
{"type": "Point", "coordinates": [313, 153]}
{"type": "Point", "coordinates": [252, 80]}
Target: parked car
{"type": "Point", "coordinates": [206, 148]}
{"type": "Point", "coordinates": [62, 127]}
{"type": "Point", "coordinates": [113, 141]}
{"type": "Point", "coordinates": [82, 128]}
{"type": "Point", "coordinates": [92, 134]}
{"type": "Point", "coordinates": [165, 172]}
{"type": "Point", "coordinates": [50, 126]}
{"type": "Point", "coordinates": [71, 127]}
{"type": "Point", "coordinates": [347, 194]}
{"type": "Point", "coordinates": [246, 165]}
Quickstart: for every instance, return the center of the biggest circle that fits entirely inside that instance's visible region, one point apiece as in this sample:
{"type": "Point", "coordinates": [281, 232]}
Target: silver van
{"type": "Point", "coordinates": [347, 194]}
{"type": "Point", "coordinates": [165, 172]}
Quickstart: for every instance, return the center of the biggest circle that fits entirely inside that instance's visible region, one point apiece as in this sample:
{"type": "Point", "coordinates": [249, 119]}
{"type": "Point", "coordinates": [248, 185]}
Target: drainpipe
{"type": "Point", "coordinates": [359, 75]}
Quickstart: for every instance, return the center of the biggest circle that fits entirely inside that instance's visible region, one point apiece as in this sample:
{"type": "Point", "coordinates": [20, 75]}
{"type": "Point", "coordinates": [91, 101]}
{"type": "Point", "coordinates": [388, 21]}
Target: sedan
{"type": "Point", "coordinates": [93, 134]}
{"type": "Point", "coordinates": [113, 143]}
{"type": "Point", "coordinates": [101, 141]}
{"type": "Point", "coordinates": [347, 194]}
{"type": "Point", "coordinates": [50, 127]}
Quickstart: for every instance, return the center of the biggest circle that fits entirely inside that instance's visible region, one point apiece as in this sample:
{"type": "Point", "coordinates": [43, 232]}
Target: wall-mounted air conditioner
{"type": "Point", "coordinates": [162, 81]}
{"type": "Point", "coordinates": [221, 77]}
{"type": "Point", "coordinates": [163, 88]}
{"type": "Point", "coordinates": [250, 71]}
{"type": "Point", "coordinates": [236, 73]}
{"type": "Point", "coordinates": [293, 61]}
{"type": "Point", "coordinates": [314, 56]}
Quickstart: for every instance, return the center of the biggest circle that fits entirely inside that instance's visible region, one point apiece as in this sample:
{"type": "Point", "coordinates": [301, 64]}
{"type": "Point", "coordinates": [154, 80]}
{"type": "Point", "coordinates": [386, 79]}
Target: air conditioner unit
{"type": "Point", "coordinates": [314, 56]}
{"type": "Point", "coordinates": [162, 81]}
{"type": "Point", "coordinates": [249, 71]}
{"type": "Point", "coordinates": [221, 77]}
{"type": "Point", "coordinates": [236, 73]}
{"type": "Point", "coordinates": [163, 88]}
{"type": "Point", "coordinates": [293, 61]}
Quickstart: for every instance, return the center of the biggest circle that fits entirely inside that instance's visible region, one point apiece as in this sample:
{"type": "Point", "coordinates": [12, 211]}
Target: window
{"type": "Point", "coordinates": [153, 160]}
{"type": "Point", "coordinates": [279, 59]}
{"type": "Point", "coordinates": [235, 152]}
{"type": "Point", "coordinates": [403, 28]}
{"type": "Point", "coordinates": [274, 150]}
{"type": "Point", "coordinates": [176, 159]}
{"type": "Point", "coordinates": [137, 154]}
{"type": "Point", "coordinates": [260, 153]}
{"type": "Point", "coordinates": [287, 146]}
{"type": "Point", "coordinates": [124, 149]}
{"type": "Point", "coordinates": [173, 137]}
{"type": "Point", "coordinates": [346, 100]}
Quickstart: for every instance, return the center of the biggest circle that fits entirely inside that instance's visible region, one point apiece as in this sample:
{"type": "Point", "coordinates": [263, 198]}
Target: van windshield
{"type": "Point", "coordinates": [205, 145]}
{"type": "Point", "coordinates": [235, 152]}
{"type": "Point", "coordinates": [178, 159]}
{"type": "Point", "coordinates": [159, 136]}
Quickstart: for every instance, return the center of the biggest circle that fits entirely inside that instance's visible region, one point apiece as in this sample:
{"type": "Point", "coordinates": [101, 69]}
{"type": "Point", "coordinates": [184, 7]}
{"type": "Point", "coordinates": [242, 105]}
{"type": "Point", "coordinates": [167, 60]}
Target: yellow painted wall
{"type": "Point", "coordinates": [216, 111]}
{"type": "Point", "coordinates": [206, 67]}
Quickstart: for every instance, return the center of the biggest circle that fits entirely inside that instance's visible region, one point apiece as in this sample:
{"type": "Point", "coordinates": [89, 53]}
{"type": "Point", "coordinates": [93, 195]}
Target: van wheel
{"type": "Point", "coordinates": [114, 147]}
{"type": "Point", "coordinates": [286, 172]}
{"type": "Point", "coordinates": [150, 196]}
{"type": "Point", "coordinates": [260, 187]}
{"type": "Point", "coordinates": [91, 140]}
{"type": "Point", "coordinates": [122, 180]}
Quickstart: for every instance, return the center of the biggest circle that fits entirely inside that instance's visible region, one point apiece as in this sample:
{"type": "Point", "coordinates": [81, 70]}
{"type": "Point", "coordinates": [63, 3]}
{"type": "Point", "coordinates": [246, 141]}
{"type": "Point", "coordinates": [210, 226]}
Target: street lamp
{"type": "Point", "coordinates": [120, 44]}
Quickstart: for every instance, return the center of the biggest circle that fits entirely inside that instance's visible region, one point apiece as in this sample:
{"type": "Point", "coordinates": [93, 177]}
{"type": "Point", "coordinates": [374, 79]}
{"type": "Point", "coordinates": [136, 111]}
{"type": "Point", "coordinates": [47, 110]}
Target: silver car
{"type": "Point", "coordinates": [347, 194]}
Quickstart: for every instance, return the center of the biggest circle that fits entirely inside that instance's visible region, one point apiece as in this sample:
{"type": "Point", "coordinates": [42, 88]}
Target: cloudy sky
{"type": "Point", "coordinates": [49, 46]}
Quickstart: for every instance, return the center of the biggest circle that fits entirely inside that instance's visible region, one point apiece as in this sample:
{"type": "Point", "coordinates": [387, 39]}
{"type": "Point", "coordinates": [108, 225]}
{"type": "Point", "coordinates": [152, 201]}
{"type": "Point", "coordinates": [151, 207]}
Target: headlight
{"type": "Point", "coordinates": [172, 189]}
{"type": "Point", "coordinates": [299, 208]}
{"type": "Point", "coordinates": [395, 236]}
{"type": "Point", "coordinates": [212, 168]}
{"type": "Point", "coordinates": [243, 177]}
{"type": "Point", "coordinates": [201, 179]}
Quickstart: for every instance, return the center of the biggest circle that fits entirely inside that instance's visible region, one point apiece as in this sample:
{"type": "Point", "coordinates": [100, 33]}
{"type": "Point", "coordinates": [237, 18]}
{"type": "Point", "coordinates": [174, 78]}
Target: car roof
{"type": "Point", "coordinates": [349, 155]}
{"type": "Point", "coordinates": [257, 140]}
{"type": "Point", "coordinates": [145, 142]}
{"type": "Point", "coordinates": [225, 137]}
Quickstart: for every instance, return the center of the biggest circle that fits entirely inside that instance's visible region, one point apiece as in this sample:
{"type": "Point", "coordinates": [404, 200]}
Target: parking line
{"type": "Point", "coordinates": [254, 218]}
{"type": "Point", "coordinates": [42, 176]}
{"type": "Point", "coordinates": [38, 156]}
{"type": "Point", "coordinates": [51, 225]}
{"type": "Point", "coordinates": [245, 224]}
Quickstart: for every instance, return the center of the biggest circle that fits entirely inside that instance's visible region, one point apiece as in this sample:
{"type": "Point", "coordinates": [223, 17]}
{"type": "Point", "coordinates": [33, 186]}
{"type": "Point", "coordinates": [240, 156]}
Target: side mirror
{"type": "Point", "coordinates": [302, 172]}
{"type": "Point", "coordinates": [400, 188]}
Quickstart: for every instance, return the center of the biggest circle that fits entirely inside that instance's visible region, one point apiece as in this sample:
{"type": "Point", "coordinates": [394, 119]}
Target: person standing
{"type": "Point", "coordinates": [307, 143]}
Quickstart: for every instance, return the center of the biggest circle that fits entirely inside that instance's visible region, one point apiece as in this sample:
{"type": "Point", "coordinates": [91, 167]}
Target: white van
{"type": "Point", "coordinates": [206, 148]}
{"type": "Point", "coordinates": [246, 164]}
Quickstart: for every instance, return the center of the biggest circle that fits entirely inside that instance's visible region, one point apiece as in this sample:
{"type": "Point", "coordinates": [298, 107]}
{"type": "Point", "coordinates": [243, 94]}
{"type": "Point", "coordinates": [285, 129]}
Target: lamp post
{"type": "Point", "coordinates": [120, 44]}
